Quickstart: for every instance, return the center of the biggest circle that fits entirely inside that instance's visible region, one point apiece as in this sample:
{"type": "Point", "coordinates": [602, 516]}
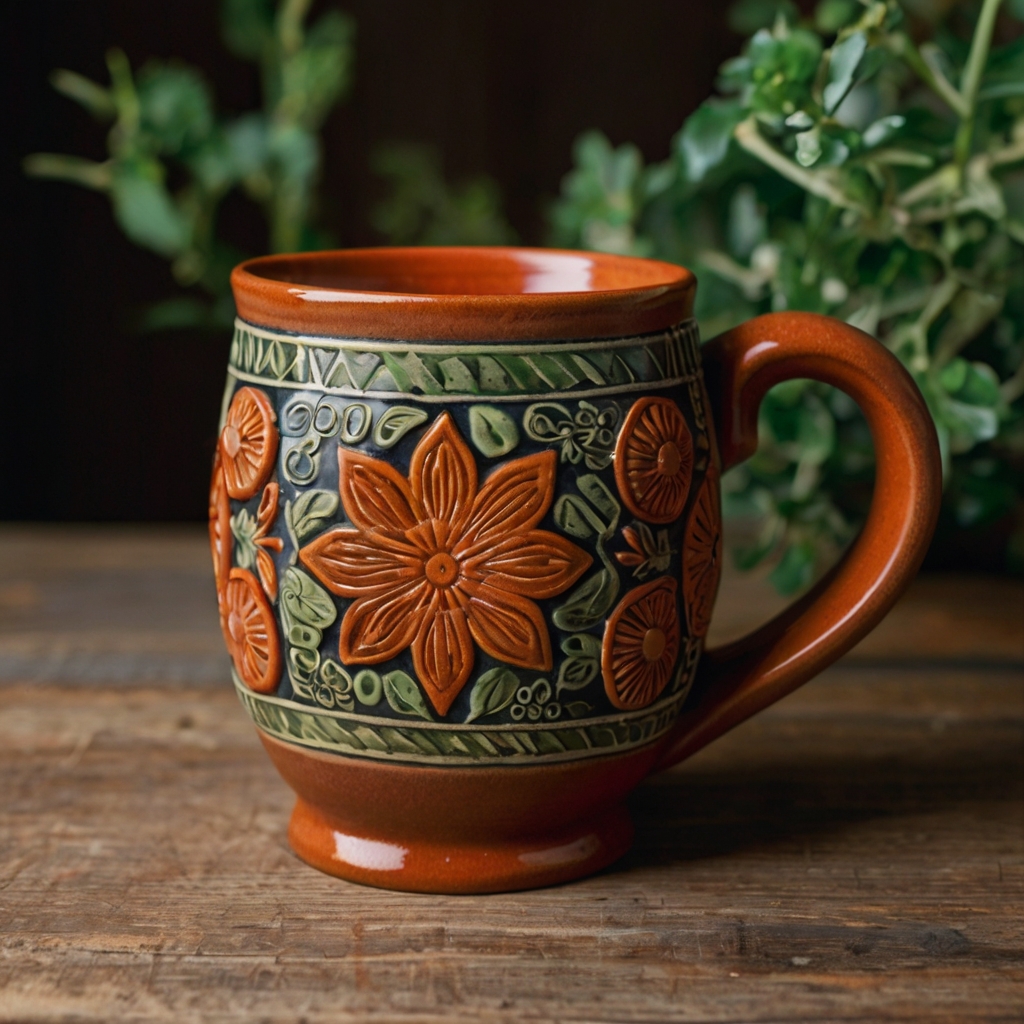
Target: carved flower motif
{"type": "Point", "coordinates": [436, 563]}
{"type": "Point", "coordinates": [702, 556]}
{"type": "Point", "coordinates": [641, 644]}
{"type": "Point", "coordinates": [248, 443]}
{"type": "Point", "coordinates": [250, 632]}
{"type": "Point", "coordinates": [220, 526]}
{"type": "Point", "coordinates": [654, 460]}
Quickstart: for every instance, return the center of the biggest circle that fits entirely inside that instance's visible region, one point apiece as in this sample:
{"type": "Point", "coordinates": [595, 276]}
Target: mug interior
{"type": "Point", "coordinates": [466, 271]}
{"type": "Point", "coordinates": [460, 293]}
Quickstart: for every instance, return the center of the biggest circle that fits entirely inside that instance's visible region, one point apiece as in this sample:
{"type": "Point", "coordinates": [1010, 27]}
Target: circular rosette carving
{"type": "Point", "coordinates": [220, 526]}
{"type": "Point", "coordinates": [702, 556]}
{"type": "Point", "coordinates": [654, 460]}
{"type": "Point", "coordinates": [251, 632]}
{"type": "Point", "coordinates": [248, 443]}
{"type": "Point", "coordinates": [641, 644]}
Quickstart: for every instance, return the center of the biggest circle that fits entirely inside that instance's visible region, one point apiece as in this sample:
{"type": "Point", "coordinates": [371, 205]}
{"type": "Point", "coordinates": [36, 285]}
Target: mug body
{"type": "Point", "coordinates": [466, 535]}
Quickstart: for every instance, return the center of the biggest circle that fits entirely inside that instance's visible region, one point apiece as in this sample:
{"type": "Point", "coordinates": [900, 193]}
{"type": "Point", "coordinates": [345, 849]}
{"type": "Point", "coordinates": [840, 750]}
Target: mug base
{"type": "Point", "coordinates": [416, 865]}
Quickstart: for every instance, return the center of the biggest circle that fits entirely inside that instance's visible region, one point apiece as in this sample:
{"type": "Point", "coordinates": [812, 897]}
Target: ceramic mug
{"type": "Point", "coordinates": [466, 536]}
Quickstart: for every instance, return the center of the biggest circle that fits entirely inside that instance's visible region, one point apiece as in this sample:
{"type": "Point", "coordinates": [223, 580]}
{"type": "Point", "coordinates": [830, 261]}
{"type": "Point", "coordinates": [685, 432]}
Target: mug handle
{"type": "Point", "coordinates": [741, 678]}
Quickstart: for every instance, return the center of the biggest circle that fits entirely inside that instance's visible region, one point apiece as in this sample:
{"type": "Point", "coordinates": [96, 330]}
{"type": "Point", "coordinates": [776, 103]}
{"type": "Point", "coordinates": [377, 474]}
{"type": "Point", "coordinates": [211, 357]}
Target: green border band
{"type": "Point", "coordinates": [470, 371]}
{"type": "Point", "coordinates": [387, 739]}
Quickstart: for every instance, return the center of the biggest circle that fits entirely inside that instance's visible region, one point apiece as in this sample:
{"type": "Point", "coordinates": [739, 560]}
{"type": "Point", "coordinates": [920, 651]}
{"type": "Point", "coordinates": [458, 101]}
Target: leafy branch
{"type": "Point", "coordinates": [163, 127]}
{"type": "Point", "coordinates": [825, 177]}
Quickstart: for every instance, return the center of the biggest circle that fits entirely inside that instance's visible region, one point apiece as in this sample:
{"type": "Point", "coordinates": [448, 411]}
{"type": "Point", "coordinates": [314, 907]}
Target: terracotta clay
{"type": "Point", "coordinates": [466, 531]}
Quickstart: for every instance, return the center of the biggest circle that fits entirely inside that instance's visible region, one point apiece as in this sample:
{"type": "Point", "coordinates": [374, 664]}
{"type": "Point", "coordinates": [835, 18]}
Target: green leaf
{"type": "Point", "coordinates": [248, 27]}
{"type": "Point", "coordinates": [832, 15]}
{"type": "Point", "coordinates": [395, 423]}
{"type": "Point", "coordinates": [404, 695]}
{"type": "Point", "coordinates": [576, 673]}
{"type": "Point", "coordinates": [145, 211]}
{"type": "Point", "coordinates": [493, 431]}
{"type": "Point", "coordinates": [310, 512]}
{"type": "Point", "coordinates": [704, 140]}
{"type": "Point", "coordinates": [492, 692]}
{"type": "Point", "coordinates": [175, 105]}
{"type": "Point", "coordinates": [844, 61]}
{"type": "Point", "coordinates": [304, 601]}
{"type": "Point", "coordinates": [882, 130]}
{"type": "Point", "coordinates": [597, 493]}
{"type": "Point", "coordinates": [573, 516]}
{"type": "Point", "coordinates": [582, 645]}
{"type": "Point", "coordinates": [747, 16]}
{"type": "Point", "coordinates": [796, 570]}
{"type": "Point", "coordinates": [588, 603]}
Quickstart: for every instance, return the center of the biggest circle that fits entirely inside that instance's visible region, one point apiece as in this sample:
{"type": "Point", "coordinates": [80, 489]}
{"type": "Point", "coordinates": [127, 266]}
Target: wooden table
{"type": "Point", "coordinates": [856, 853]}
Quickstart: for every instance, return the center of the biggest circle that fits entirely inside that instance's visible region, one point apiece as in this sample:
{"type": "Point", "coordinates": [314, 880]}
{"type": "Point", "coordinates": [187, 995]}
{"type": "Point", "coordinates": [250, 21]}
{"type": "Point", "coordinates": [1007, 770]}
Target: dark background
{"type": "Point", "coordinates": [100, 423]}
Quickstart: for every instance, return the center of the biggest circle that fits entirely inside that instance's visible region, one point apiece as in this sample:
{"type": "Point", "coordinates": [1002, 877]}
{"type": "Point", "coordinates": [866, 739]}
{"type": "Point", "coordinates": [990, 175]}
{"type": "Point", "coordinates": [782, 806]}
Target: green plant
{"type": "Point", "coordinates": [164, 129]}
{"type": "Point", "coordinates": [422, 208]}
{"type": "Point", "coordinates": [848, 168]}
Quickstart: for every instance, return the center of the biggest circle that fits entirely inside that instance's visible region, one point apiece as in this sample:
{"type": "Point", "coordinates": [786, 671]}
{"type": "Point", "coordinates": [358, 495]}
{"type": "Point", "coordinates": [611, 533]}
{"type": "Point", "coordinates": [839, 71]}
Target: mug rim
{"type": "Point", "coordinates": [462, 293]}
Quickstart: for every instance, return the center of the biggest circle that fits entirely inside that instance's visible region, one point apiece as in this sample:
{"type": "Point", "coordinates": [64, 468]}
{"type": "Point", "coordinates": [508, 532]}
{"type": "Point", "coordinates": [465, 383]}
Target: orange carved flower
{"type": "Point", "coordinates": [248, 443]}
{"type": "Point", "coordinates": [702, 556]}
{"type": "Point", "coordinates": [250, 632]}
{"type": "Point", "coordinates": [641, 644]}
{"type": "Point", "coordinates": [654, 460]}
{"type": "Point", "coordinates": [220, 526]}
{"type": "Point", "coordinates": [436, 563]}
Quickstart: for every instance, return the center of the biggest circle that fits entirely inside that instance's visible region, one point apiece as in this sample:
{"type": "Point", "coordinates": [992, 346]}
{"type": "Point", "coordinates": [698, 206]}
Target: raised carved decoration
{"type": "Point", "coordinates": [265, 516]}
{"type": "Point", "coordinates": [251, 632]}
{"type": "Point", "coordinates": [220, 526]}
{"type": "Point", "coordinates": [702, 556]}
{"type": "Point", "coordinates": [248, 443]}
{"type": "Point", "coordinates": [654, 460]}
{"type": "Point", "coordinates": [641, 644]}
{"type": "Point", "coordinates": [437, 563]}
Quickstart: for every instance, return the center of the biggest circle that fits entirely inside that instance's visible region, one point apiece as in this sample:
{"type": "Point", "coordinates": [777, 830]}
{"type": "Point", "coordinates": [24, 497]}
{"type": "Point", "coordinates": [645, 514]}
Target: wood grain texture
{"type": "Point", "coordinates": [854, 853]}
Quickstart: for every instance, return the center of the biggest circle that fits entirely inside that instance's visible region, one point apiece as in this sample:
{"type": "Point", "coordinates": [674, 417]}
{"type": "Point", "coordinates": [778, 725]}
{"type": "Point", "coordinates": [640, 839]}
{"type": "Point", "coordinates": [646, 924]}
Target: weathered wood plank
{"type": "Point", "coordinates": [856, 853]}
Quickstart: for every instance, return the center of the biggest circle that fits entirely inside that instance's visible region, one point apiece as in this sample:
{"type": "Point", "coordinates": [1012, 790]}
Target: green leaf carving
{"type": "Point", "coordinates": [573, 516]}
{"type": "Point", "coordinates": [588, 603]}
{"type": "Point", "coordinates": [493, 431]}
{"type": "Point", "coordinates": [305, 601]}
{"type": "Point", "coordinates": [596, 492]}
{"type": "Point", "coordinates": [578, 708]}
{"type": "Point", "coordinates": [576, 673]}
{"type": "Point", "coordinates": [404, 695]}
{"type": "Point", "coordinates": [395, 424]}
{"type": "Point", "coordinates": [581, 645]}
{"type": "Point", "coordinates": [309, 512]}
{"type": "Point", "coordinates": [492, 692]}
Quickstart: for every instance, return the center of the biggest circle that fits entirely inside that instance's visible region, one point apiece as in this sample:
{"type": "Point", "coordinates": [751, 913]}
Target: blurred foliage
{"type": "Point", "coordinates": [423, 209]}
{"type": "Point", "coordinates": [867, 163]}
{"type": "Point", "coordinates": [173, 158]}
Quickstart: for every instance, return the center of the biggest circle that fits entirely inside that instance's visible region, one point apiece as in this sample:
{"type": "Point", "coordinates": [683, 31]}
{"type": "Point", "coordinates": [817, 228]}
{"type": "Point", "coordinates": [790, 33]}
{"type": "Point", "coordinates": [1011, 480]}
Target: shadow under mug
{"type": "Point", "coordinates": [466, 536]}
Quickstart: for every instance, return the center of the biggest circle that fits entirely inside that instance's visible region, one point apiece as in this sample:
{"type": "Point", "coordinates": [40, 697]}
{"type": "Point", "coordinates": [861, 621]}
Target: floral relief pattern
{"type": "Point", "coordinates": [220, 526]}
{"type": "Point", "coordinates": [654, 460]}
{"type": "Point", "coordinates": [265, 516]}
{"type": "Point", "coordinates": [641, 644]}
{"type": "Point", "coordinates": [702, 555]}
{"type": "Point", "coordinates": [439, 562]}
{"type": "Point", "coordinates": [250, 631]}
{"type": "Point", "coordinates": [248, 443]}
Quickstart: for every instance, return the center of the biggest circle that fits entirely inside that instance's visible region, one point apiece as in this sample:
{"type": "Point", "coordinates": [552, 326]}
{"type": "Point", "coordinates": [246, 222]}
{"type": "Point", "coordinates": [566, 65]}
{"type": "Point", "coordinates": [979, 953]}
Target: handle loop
{"type": "Point", "coordinates": [741, 678]}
